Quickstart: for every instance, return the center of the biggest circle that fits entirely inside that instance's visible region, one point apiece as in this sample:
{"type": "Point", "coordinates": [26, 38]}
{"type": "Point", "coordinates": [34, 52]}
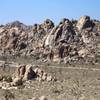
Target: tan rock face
{"type": "Point", "coordinates": [49, 41]}
{"type": "Point", "coordinates": [29, 73]}
{"type": "Point", "coordinates": [48, 24]}
{"type": "Point", "coordinates": [17, 39]}
{"type": "Point", "coordinates": [49, 78]}
{"type": "Point", "coordinates": [42, 75]}
{"type": "Point", "coordinates": [84, 22]}
{"type": "Point", "coordinates": [35, 98]}
{"type": "Point", "coordinates": [83, 52]}
{"type": "Point", "coordinates": [21, 70]}
{"type": "Point", "coordinates": [26, 72]}
{"type": "Point", "coordinates": [43, 98]}
{"type": "Point", "coordinates": [17, 81]}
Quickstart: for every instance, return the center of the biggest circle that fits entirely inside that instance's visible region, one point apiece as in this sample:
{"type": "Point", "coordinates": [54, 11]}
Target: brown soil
{"type": "Point", "coordinates": [76, 82]}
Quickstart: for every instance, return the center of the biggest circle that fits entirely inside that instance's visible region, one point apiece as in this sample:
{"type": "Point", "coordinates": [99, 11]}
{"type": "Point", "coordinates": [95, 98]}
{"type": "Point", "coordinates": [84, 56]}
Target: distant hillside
{"type": "Point", "coordinates": [69, 41]}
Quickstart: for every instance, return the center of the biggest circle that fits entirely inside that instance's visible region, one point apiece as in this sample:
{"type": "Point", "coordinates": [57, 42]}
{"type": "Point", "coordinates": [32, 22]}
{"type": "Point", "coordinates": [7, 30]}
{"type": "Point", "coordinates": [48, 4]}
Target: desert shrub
{"type": "Point", "coordinates": [8, 95]}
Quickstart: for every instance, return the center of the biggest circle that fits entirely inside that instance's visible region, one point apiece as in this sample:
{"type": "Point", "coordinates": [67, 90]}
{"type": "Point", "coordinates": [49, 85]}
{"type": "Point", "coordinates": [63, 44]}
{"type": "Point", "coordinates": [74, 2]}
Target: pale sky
{"type": "Point", "coordinates": [36, 11]}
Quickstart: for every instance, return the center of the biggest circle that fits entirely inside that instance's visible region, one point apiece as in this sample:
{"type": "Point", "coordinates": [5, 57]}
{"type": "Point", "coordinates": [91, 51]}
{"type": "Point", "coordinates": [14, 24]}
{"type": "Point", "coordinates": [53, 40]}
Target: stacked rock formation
{"type": "Point", "coordinates": [24, 74]}
{"type": "Point", "coordinates": [69, 41]}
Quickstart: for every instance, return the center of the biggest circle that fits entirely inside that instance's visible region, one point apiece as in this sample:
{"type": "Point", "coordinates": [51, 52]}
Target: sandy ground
{"type": "Point", "coordinates": [76, 82]}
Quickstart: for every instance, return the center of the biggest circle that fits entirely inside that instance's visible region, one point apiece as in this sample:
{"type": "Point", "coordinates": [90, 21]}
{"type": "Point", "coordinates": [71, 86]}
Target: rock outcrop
{"type": "Point", "coordinates": [69, 41]}
{"type": "Point", "coordinates": [23, 76]}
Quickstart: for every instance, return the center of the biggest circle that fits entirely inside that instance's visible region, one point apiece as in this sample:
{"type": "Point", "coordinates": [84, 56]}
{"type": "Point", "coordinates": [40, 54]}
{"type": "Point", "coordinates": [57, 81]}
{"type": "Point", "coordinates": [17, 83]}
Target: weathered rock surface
{"type": "Point", "coordinates": [17, 81]}
{"type": "Point", "coordinates": [23, 76]}
{"type": "Point", "coordinates": [69, 41]}
{"type": "Point", "coordinates": [43, 98]}
{"type": "Point", "coordinates": [84, 22]}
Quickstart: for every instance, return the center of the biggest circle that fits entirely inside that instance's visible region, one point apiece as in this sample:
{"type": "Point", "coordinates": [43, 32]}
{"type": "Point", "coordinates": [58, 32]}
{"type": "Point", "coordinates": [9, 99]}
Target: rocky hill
{"type": "Point", "coordinates": [70, 41]}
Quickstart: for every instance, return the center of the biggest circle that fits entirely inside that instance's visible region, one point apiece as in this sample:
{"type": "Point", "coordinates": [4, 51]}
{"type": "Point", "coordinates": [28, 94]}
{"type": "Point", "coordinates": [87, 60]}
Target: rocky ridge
{"type": "Point", "coordinates": [75, 41]}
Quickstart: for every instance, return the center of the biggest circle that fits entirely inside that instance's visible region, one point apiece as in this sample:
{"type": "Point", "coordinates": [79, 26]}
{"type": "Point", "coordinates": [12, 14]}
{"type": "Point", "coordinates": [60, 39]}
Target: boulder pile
{"type": "Point", "coordinates": [75, 41]}
{"type": "Point", "coordinates": [26, 72]}
{"type": "Point", "coordinates": [23, 75]}
{"type": "Point", "coordinates": [41, 98]}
